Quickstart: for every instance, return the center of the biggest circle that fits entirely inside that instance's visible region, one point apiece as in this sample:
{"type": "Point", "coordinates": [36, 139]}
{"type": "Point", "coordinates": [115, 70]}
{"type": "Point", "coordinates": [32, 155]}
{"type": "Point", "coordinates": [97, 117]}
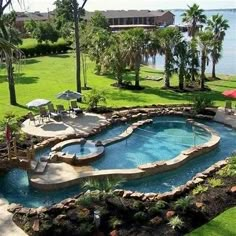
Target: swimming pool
{"type": "Point", "coordinates": [15, 188]}
{"type": "Point", "coordinates": [161, 140]}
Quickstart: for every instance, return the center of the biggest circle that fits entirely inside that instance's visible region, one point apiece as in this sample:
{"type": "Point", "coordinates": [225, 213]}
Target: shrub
{"type": "Point", "coordinates": [94, 98]}
{"type": "Point", "coordinates": [114, 222]}
{"type": "Point", "coordinates": [201, 102]}
{"type": "Point", "coordinates": [215, 182]}
{"type": "Point", "coordinates": [85, 200]}
{"type": "Point", "coordinates": [137, 205]}
{"type": "Point", "coordinates": [230, 168]}
{"type": "Point", "coordinates": [45, 49]}
{"type": "Point", "coordinates": [183, 203]}
{"type": "Point", "coordinates": [161, 204]}
{"type": "Point", "coordinates": [199, 189]}
{"type": "Point", "coordinates": [152, 211]}
{"type": "Point", "coordinates": [140, 216]}
{"type": "Point", "coordinates": [176, 223]}
{"type": "Point", "coordinates": [86, 229]}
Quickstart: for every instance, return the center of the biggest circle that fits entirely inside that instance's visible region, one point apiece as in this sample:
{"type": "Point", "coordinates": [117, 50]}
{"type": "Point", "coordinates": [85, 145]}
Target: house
{"type": "Point", "coordinates": [22, 17]}
{"type": "Point", "coordinates": [136, 18]}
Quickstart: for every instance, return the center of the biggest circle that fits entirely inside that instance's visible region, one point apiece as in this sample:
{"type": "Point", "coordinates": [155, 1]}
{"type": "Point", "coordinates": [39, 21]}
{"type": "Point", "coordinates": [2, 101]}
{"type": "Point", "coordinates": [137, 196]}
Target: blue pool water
{"type": "Point", "coordinates": [162, 140]}
{"type": "Point", "coordinates": [79, 150]}
{"type": "Point", "coordinates": [14, 185]}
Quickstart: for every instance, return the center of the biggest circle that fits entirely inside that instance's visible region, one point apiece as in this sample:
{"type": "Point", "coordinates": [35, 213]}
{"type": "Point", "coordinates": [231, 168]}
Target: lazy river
{"type": "Point", "coordinates": [162, 140]}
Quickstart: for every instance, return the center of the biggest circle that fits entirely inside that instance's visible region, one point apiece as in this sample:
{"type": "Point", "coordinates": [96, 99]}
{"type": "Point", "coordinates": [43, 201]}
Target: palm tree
{"type": "Point", "coordinates": [205, 44]}
{"type": "Point", "coordinates": [167, 39]}
{"type": "Point", "coordinates": [114, 58]}
{"type": "Point", "coordinates": [134, 43]}
{"type": "Point", "coordinates": [194, 16]}
{"type": "Point", "coordinates": [218, 25]}
{"type": "Point", "coordinates": [182, 61]}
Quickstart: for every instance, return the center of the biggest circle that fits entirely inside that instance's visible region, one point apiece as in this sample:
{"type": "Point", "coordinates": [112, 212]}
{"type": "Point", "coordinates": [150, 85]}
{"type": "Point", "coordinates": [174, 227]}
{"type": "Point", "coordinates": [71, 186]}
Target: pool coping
{"type": "Point", "coordinates": [142, 170]}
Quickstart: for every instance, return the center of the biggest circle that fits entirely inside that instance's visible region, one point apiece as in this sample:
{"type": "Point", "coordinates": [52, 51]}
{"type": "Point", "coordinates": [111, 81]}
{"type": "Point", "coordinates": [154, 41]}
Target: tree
{"type": "Point", "coordinates": [98, 20]}
{"type": "Point", "coordinates": [182, 61]}
{"type": "Point", "coordinates": [218, 25]}
{"type": "Point", "coordinates": [7, 34]}
{"type": "Point", "coordinates": [71, 11]}
{"type": "Point", "coordinates": [168, 39]}
{"type": "Point", "coordinates": [134, 44]}
{"type": "Point", "coordinates": [97, 40]}
{"type": "Point", "coordinates": [114, 58]}
{"type": "Point", "coordinates": [42, 31]}
{"type": "Point", "coordinates": [194, 16]}
{"type": "Point", "coordinates": [204, 39]}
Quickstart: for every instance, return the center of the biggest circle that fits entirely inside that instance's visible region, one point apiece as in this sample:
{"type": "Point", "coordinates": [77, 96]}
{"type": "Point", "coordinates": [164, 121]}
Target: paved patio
{"type": "Point", "coordinates": [224, 118]}
{"type": "Point", "coordinates": [7, 226]}
{"type": "Point", "coordinates": [70, 124]}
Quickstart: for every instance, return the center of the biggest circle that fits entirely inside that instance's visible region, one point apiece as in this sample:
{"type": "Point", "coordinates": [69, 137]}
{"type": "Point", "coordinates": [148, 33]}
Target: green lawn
{"type": "Point", "coordinates": [44, 77]}
{"type": "Point", "coordinates": [222, 225]}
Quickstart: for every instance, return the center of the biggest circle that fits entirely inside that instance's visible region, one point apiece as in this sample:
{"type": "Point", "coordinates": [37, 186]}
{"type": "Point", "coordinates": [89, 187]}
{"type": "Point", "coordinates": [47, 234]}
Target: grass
{"type": "Point", "coordinates": [44, 77]}
{"type": "Point", "coordinates": [222, 225]}
{"type": "Point", "coordinates": [31, 42]}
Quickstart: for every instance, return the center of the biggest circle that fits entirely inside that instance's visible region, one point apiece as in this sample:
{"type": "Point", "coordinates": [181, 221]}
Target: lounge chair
{"type": "Point", "coordinates": [31, 117]}
{"type": "Point", "coordinates": [228, 108]}
{"type": "Point", "coordinates": [61, 110]}
{"type": "Point", "coordinates": [75, 108]}
{"type": "Point", "coordinates": [43, 113]}
{"type": "Point", "coordinates": [53, 113]}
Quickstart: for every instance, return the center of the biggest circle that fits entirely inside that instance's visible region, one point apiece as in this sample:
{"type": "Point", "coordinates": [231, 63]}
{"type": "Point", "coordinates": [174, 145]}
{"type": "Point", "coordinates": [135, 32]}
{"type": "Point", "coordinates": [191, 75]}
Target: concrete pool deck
{"type": "Point", "coordinates": [7, 226]}
{"type": "Point", "coordinates": [224, 118]}
{"type": "Point", "coordinates": [83, 123]}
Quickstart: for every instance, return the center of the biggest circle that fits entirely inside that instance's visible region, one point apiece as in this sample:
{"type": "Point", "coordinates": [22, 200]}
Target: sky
{"type": "Point", "coordinates": [45, 5]}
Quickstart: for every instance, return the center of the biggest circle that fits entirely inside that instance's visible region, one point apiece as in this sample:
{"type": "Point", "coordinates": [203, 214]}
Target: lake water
{"type": "Point", "coordinates": [227, 64]}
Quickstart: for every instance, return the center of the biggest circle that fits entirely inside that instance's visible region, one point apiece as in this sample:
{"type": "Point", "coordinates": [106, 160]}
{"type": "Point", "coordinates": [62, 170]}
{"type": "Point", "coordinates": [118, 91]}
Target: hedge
{"type": "Point", "coordinates": [45, 49]}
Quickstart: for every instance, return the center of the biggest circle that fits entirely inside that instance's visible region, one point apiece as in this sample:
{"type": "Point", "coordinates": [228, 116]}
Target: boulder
{"type": "Point", "coordinates": [170, 214]}
{"type": "Point", "coordinates": [35, 226]}
{"type": "Point", "coordinates": [156, 220]}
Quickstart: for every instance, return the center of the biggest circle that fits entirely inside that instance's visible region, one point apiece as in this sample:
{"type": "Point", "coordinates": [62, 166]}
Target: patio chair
{"type": "Point", "coordinates": [31, 117]}
{"type": "Point", "coordinates": [75, 108]}
{"type": "Point", "coordinates": [228, 108]}
{"type": "Point", "coordinates": [52, 112]}
{"type": "Point", "coordinates": [61, 110]}
{"type": "Point", "coordinates": [43, 113]}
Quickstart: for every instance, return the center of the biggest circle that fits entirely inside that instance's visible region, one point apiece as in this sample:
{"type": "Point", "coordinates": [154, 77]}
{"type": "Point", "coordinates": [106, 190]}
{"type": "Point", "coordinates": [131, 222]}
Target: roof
{"type": "Point", "coordinates": [126, 14]}
{"type": "Point", "coordinates": [24, 16]}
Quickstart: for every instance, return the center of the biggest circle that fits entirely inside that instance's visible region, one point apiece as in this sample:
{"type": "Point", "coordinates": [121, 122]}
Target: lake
{"type": "Point", "coordinates": [227, 64]}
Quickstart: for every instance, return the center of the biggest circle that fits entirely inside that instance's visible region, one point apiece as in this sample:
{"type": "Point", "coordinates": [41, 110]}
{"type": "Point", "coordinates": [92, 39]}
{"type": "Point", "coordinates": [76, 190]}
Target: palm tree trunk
{"type": "Point", "coordinates": [203, 67]}
{"type": "Point", "coordinates": [166, 77]}
{"type": "Point", "coordinates": [136, 77]}
{"type": "Point", "coordinates": [77, 45]}
{"type": "Point", "coordinates": [192, 70]}
{"type": "Point", "coordinates": [11, 83]}
{"type": "Point", "coordinates": [181, 79]}
{"type": "Point", "coordinates": [213, 69]}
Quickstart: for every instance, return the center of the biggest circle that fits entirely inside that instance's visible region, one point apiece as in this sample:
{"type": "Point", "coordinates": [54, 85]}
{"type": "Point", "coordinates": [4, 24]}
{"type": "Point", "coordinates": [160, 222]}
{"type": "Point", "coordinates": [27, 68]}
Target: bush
{"type": "Point", "coordinates": [45, 49]}
{"type": "Point", "coordinates": [114, 222]}
{"type": "Point", "coordinates": [176, 223]}
{"type": "Point", "coordinates": [215, 182]}
{"type": "Point", "coordinates": [200, 103]}
{"type": "Point", "coordinates": [230, 168]}
{"type": "Point", "coordinates": [183, 203]}
{"type": "Point", "coordinates": [199, 189]}
{"type": "Point", "coordinates": [161, 204]}
{"type": "Point", "coordinates": [140, 216]}
{"type": "Point", "coordinates": [94, 98]}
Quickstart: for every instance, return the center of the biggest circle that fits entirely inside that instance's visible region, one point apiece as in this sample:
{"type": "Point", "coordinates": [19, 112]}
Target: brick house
{"type": "Point", "coordinates": [135, 17]}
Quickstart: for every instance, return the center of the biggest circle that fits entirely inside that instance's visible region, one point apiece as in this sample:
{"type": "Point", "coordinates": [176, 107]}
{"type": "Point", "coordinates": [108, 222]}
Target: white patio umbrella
{"type": "Point", "coordinates": [69, 95]}
{"type": "Point", "coordinates": [38, 103]}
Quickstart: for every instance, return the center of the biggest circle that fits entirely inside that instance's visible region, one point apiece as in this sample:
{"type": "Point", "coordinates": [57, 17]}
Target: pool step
{"type": "Point", "coordinates": [33, 165]}
{"type": "Point", "coordinates": [40, 168]}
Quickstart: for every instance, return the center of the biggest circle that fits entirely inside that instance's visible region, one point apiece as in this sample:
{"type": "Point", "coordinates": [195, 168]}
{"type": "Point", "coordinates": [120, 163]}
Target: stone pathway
{"type": "Point", "coordinates": [7, 226]}
{"type": "Point", "coordinates": [222, 117]}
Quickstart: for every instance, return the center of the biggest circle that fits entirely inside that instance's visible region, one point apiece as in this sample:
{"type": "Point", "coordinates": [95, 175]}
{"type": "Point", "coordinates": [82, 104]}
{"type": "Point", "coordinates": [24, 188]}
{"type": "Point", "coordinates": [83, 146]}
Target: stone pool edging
{"type": "Point", "coordinates": [142, 170]}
